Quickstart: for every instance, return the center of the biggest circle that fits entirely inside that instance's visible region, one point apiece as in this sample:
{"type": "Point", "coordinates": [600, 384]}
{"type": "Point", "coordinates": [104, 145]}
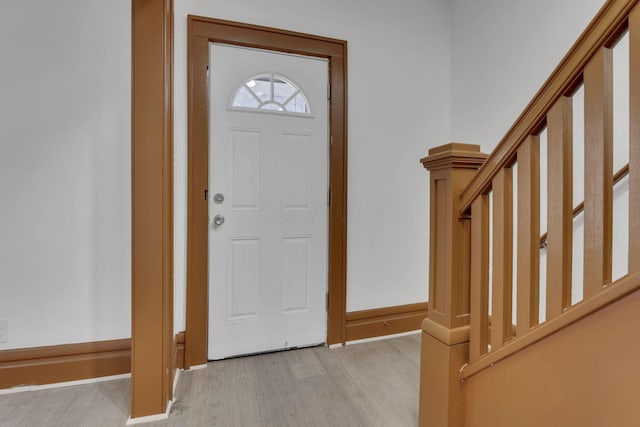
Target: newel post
{"type": "Point", "coordinates": [445, 332]}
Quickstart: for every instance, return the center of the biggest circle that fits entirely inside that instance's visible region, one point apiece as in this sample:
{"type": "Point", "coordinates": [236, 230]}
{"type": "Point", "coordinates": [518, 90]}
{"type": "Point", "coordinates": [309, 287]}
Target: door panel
{"type": "Point", "coordinates": [296, 157]}
{"type": "Point", "coordinates": [295, 274]}
{"type": "Point", "coordinates": [245, 168]}
{"type": "Point", "coordinates": [244, 278]}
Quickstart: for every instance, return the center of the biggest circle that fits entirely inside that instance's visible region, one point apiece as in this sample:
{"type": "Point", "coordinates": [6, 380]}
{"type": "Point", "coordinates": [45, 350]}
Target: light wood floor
{"type": "Point", "coordinates": [370, 384]}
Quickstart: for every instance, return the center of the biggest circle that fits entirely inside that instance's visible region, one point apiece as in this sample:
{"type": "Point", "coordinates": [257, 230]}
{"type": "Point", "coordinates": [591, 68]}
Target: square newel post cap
{"type": "Point", "coordinates": [454, 155]}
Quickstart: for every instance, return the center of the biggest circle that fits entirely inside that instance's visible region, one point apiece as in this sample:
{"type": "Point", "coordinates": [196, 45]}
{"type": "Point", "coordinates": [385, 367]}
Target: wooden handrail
{"type": "Point", "coordinates": [604, 30]}
{"type": "Point", "coordinates": [623, 172]}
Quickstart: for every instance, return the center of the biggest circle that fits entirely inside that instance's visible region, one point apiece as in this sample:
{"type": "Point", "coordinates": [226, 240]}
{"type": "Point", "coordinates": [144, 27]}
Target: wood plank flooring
{"type": "Point", "coordinates": [370, 384]}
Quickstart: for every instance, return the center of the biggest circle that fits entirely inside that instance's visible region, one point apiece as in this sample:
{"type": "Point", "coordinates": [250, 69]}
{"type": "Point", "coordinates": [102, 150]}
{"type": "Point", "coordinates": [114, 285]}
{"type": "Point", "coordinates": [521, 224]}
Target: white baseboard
{"type": "Point", "coordinates": [21, 389]}
{"type": "Point", "coordinates": [197, 367]}
{"type": "Point", "coordinates": [175, 382]}
{"type": "Point", "coordinates": [151, 418]}
{"type": "Point", "coordinates": [335, 345]}
{"type": "Point", "coordinates": [384, 337]}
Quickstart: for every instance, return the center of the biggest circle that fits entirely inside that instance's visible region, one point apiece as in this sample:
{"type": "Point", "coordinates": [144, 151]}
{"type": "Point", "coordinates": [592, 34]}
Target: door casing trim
{"type": "Point", "coordinates": [201, 32]}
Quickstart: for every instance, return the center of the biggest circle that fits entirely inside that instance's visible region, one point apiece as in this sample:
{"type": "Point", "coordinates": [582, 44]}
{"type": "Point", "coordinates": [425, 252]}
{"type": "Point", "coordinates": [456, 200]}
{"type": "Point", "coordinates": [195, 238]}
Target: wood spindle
{"type": "Point", "coordinates": [479, 339]}
{"type": "Point", "coordinates": [501, 326]}
{"type": "Point", "coordinates": [598, 177]}
{"type": "Point", "coordinates": [528, 234]}
{"type": "Point", "coordinates": [634, 140]}
{"type": "Point", "coordinates": [559, 206]}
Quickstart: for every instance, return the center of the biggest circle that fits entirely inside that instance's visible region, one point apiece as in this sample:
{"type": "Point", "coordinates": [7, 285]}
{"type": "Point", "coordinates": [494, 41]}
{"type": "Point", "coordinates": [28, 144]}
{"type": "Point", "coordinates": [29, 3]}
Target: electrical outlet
{"type": "Point", "coordinates": [4, 330]}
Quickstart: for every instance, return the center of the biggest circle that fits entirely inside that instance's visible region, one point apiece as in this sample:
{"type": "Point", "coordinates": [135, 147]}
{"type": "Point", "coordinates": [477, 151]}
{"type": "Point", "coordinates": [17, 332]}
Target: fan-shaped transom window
{"type": "Point", "coordinates": [271, 92]}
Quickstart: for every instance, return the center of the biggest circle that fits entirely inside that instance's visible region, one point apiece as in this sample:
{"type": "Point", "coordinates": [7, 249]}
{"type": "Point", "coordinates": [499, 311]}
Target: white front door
{"type": "Point", "coordinates": [268, 188]}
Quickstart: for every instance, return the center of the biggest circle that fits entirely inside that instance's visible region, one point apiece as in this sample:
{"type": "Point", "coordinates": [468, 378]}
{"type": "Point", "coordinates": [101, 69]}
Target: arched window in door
{"type": "Point", "coordinates": [270, 92]}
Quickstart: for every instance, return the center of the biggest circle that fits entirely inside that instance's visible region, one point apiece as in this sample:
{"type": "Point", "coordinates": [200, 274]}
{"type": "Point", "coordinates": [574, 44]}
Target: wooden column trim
{"type": "Point", "coordinates": [197, 309]}
{"type": "Point", "coordinates": [152, 207]}
{"type": "Point", "coordinates": [445, 336]}
{"type": "Point", "coordinates": [451, 167]}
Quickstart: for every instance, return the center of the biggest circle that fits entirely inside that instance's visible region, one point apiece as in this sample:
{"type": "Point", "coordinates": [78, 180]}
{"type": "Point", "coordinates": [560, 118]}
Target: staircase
{"type": "Point", "coordinates": [512, 338]}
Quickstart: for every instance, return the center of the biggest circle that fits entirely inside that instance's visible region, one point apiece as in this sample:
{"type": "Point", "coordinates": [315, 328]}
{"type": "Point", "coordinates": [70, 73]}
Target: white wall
{"type": "Point", "coordinates": [65, 171]}
{"type": "Point", "coordinates": [65, 138]}
{"type": "Point", "coordinates": [399, 104]}
{"type": "Point", "coordinates": [503, 51]}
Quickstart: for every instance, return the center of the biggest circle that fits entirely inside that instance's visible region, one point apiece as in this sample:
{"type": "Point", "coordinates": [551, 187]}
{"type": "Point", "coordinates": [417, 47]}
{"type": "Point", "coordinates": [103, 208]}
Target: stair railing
{"type": "Point", "coordinates": [457, 340]}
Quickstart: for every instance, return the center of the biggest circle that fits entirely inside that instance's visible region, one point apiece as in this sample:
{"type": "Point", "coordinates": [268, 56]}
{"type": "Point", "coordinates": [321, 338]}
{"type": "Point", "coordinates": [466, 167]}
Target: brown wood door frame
{"type": "Point", "coordinates": [201, 32]}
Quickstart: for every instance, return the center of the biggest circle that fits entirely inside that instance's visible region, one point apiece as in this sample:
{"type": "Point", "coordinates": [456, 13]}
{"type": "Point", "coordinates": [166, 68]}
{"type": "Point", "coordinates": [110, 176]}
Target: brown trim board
{"type": "Point", "coordinates": [202, 31]}
{"type": "Point", "coordinates": [152, 206]}
{"type": "Point", "coordinates": [385, 321]}
{"type": "Point", "coordinates": [61, 363]}
{"type": "Point", "coordinates": [178, 358]}
{"type": "Point", "coordinates": [72, 362]}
